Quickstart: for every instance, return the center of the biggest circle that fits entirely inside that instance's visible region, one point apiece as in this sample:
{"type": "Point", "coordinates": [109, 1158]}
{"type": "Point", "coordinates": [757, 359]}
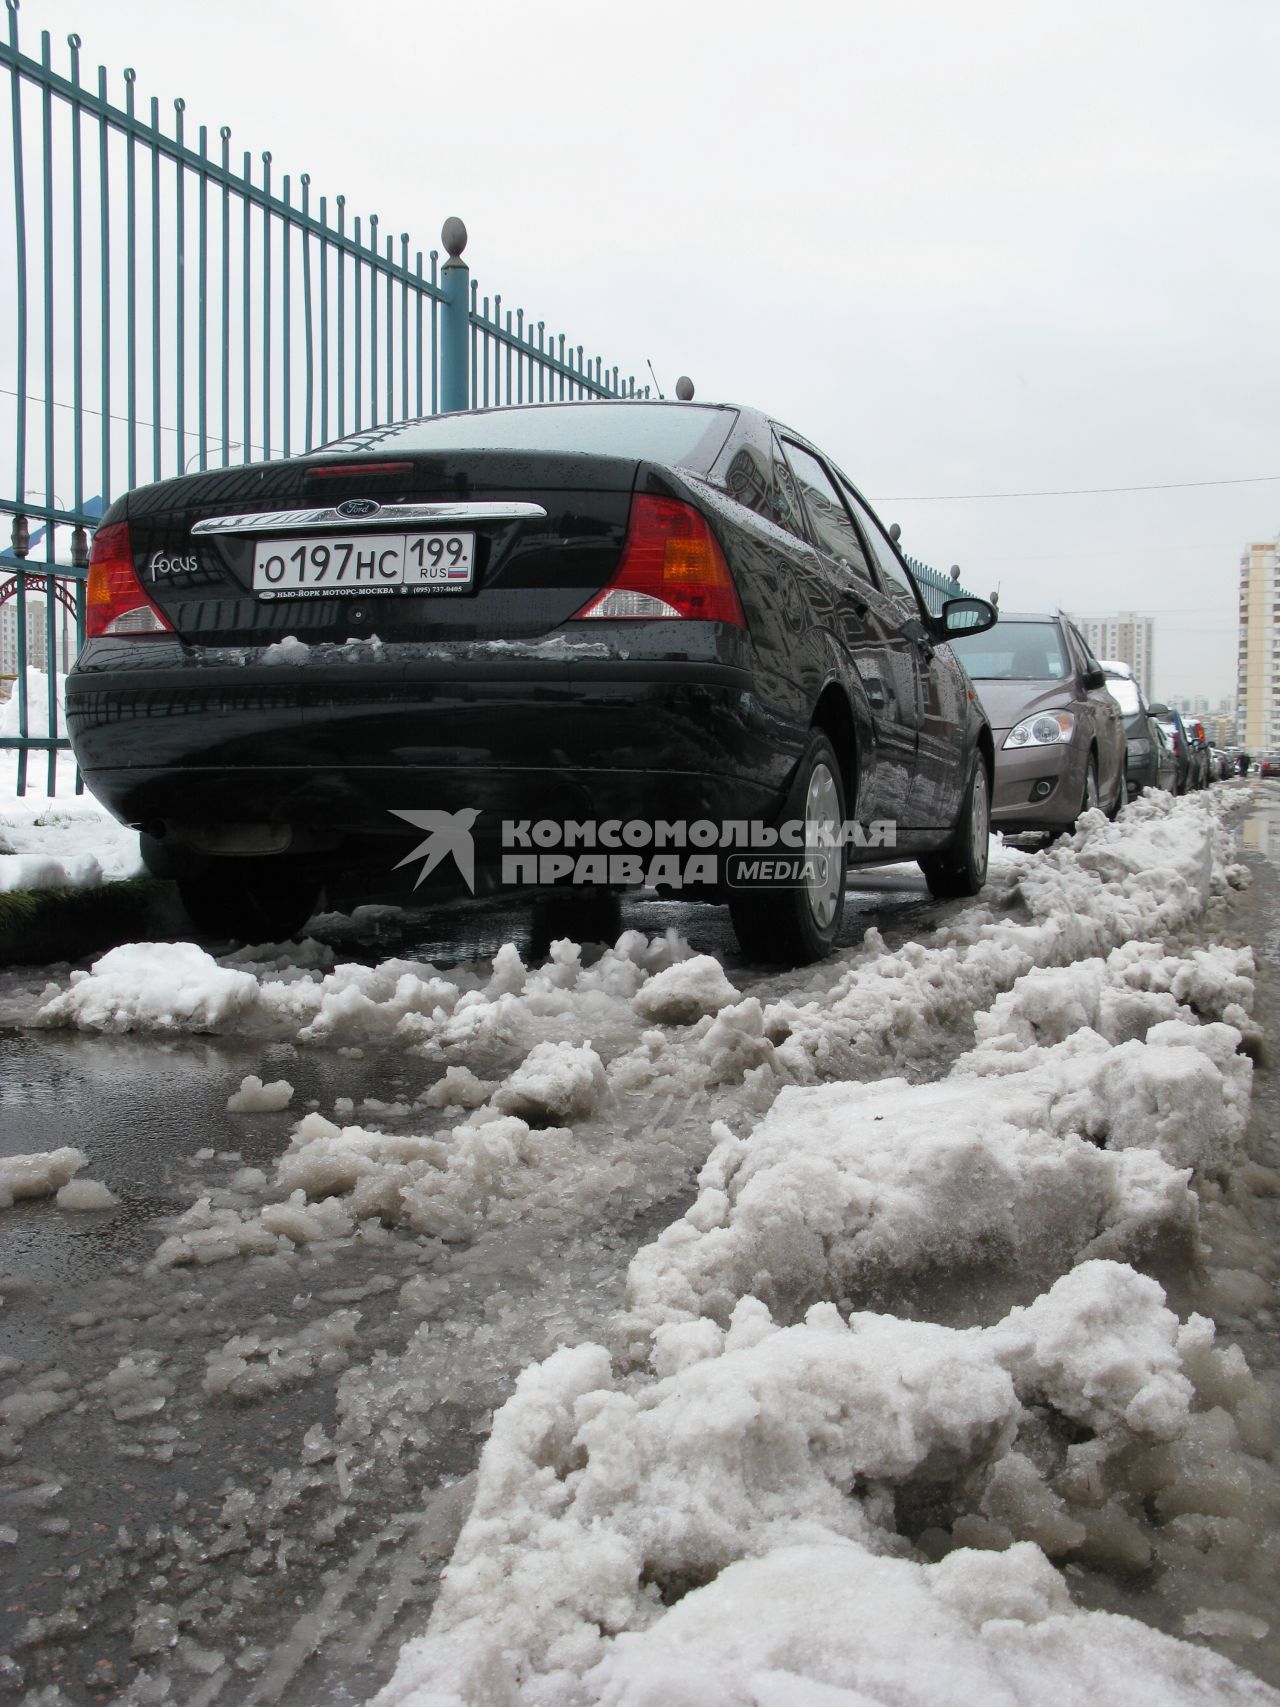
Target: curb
{"type": "Point", "coordinates": [67, 924]}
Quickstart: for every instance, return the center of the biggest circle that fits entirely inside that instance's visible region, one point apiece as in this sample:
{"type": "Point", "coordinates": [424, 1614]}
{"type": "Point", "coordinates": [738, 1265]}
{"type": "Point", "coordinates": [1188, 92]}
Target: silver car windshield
{"type": "Point", "coordinates": [1014, 652]}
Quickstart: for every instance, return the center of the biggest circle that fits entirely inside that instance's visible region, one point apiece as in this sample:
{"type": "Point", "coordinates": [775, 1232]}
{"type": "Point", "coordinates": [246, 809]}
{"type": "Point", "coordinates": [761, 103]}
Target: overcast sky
{"type": "Point", "coordinates": [1000, 247]}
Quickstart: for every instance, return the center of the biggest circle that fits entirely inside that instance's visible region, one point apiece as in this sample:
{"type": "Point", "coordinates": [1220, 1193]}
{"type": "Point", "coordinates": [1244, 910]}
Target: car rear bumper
{"type": "Point", "coordinates": [335, 748]}
{"type": "Point", "coordinates": [1036, 788]}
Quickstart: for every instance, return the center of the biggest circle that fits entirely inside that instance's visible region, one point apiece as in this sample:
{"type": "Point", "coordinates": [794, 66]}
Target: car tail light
{"type": "Point", "coordinates": [117, 603]}
{"type": "Point", "coordinates": [672, 566]}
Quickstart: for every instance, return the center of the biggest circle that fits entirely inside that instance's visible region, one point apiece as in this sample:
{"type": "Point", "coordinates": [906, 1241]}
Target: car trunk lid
{"type": "Point", "coordinates": [546, 532]}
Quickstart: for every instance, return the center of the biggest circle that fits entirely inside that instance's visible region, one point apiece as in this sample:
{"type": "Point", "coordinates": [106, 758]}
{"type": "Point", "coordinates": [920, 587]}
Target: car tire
{"type": "Point", "coordinates": [248, 901]}
{"type": "Point", "coordinates": [1091, 797]}
{"type": "Point", "coordinates": [961, 867]}
{"type": "Point", "coordinates": [794, 927]}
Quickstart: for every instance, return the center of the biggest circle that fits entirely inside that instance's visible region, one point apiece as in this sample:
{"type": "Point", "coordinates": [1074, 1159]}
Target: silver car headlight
{"type": "Point", "coordinates": [1139, 746]}
{"type": "Point", "coordinates": [1045, 729]}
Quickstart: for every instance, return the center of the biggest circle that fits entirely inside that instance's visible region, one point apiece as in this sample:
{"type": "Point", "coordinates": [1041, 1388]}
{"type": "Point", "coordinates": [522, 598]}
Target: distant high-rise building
{"type": "Point", "coordinates": [37, 649]}
{"type": "Point", "coordinates": [1258, 666]}
{"type": "Point", "coordinates": [1126, 636]}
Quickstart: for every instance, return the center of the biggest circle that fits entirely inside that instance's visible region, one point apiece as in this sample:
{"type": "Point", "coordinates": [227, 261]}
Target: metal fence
{"type": "Point", "coordinates": [176, 305]}
{"type": "Point", "coordinates": [935, 587]}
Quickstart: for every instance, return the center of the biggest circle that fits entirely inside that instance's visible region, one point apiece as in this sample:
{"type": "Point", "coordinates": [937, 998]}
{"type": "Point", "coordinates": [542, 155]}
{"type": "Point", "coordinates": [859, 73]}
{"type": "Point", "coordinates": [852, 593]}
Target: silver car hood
{"type": "Point", "coordinates": [1007, 703]}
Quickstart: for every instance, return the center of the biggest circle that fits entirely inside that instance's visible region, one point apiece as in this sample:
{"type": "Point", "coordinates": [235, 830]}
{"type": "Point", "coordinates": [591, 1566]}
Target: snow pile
{"type": "Point", "coordinates": [685, 992]}
{"type": "Point", "coordinates": [159, 986]}
{"type": "Point", "coordinates": [254, 1097]}
{"type": "Point", "coordinates": [1031, 1156]}
{"type": "Point", "coordinates": [1135, 987]}
{"type": "Point", "coordinates": [1111, 883]}
{"type": "Point", "coordinates": [37, 707]}
{"type": "Point", "coordinates": [39, 1174]}
{"type": "Point", "coordinates": [775, 1495]}
{"type": "Point", "coordinates": [827, 1461]}
{"type": "Point", "coordinates": [855, 1192]}
{"type": "Point", "coordinates": [68, 843]}
{"type": "Point", "coordinates": [555, 1084]}
{"type": "Point", "coordinates": [826, 1626]}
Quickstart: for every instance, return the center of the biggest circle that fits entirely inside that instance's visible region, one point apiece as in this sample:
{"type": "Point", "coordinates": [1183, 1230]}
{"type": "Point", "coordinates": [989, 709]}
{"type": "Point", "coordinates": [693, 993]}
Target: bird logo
{"type": "Point", "coordinates": [449, 833]}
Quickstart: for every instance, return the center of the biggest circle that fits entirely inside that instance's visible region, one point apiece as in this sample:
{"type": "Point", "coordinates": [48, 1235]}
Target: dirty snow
{"type": "Point", "coordinates": [771, 1489]}
{"type": "Point", "coordinates": [826, 1460]}
{"type": "Point", "coordinates": [900, 1375]}
{"type": "Point", "coordinates": [67, 841]}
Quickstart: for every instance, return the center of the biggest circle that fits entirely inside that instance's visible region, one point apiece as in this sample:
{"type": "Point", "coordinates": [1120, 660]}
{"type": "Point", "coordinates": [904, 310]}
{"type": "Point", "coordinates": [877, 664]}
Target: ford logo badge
{"type": "Point", "coordinates": [359, 507]}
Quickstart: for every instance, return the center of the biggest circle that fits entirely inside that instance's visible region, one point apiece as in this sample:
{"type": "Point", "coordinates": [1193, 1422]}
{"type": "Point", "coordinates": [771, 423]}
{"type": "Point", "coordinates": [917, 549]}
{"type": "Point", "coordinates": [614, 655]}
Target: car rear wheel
{"type": "Point", "coordinates": [961, 867]}
{"type": "Point", "coordinates": [249, 900]}
{"type": "Point", "coordinates": [793, 927]}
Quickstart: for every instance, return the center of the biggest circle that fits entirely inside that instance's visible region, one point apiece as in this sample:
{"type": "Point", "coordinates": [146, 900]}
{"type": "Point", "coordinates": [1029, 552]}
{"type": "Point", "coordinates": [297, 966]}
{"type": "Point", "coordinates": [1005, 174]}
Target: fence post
{"type": "Point", "coordinates": [455, 317]}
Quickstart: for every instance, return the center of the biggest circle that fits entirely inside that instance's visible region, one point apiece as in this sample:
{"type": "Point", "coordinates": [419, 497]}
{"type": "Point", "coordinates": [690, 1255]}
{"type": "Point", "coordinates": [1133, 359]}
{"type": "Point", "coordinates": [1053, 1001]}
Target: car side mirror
{"type": "Point", "coordinates": [964, 616]}
{"type": "Point", "coordinates": [1158, 709]}
{"type": "Point", "coordinates": [1094, 679]}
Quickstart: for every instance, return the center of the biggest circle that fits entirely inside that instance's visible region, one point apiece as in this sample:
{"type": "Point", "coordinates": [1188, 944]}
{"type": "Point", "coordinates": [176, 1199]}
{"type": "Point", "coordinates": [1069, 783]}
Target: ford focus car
{"type": "Point", "coordinates": [558, 613]}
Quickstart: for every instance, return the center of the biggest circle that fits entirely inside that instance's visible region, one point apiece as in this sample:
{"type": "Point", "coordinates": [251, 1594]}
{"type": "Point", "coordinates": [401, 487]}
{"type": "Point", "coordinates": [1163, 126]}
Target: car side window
{"type": "Point", "coordinates": [832, 525]}
{"type": "Point", "coordinates": [1087, 659]}
{"type": "Point", "coordinates": [789, 511]}
{"type": "Point", "coordinates": [893, 575]}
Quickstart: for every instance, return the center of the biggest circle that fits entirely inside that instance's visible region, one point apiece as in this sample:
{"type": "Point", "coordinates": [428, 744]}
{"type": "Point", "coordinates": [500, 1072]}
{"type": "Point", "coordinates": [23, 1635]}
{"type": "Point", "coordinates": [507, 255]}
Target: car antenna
{"type": "Point", "coordinates": [656, 386]}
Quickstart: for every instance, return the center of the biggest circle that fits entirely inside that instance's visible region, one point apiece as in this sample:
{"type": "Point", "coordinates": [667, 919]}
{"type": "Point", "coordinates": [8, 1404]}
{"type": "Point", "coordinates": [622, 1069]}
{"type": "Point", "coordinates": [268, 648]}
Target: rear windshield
{"type": "Point", "coordinates": [1125, 693]}
{"type": "Point", "coordinates": [1014, 652]}
{"type": "Point", "coordinates": [681, 434]}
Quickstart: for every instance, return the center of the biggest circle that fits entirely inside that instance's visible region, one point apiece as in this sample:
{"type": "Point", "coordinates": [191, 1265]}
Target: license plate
{"type": "Point", "coordinates": [372, 563]}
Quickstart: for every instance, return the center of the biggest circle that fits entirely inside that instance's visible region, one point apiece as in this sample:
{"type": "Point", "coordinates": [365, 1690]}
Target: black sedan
{"type": "Point", "coordinates": [465, 645]}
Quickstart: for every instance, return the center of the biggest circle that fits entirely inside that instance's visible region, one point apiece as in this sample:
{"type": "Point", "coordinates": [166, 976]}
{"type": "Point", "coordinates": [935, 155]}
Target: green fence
{"type": "Point", "coordinates": [176, 304]}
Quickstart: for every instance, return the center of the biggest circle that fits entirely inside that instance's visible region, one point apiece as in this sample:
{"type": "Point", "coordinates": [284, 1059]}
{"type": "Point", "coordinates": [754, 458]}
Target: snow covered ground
{"type": "Point", "coordinates": [64, 841]}
{"type": "Point", "coordinates": [906, 1391]}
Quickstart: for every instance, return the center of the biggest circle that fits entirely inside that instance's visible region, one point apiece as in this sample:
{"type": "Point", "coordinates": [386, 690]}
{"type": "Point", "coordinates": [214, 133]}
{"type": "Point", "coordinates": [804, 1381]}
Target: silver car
{"type": "Point", "coordinates": [1059, 735]}
{"type": "Point", "coordinates": [1149, 760]}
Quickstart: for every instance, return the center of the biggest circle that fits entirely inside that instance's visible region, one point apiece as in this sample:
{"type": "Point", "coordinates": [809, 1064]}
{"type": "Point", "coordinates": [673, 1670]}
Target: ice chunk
{"type": "Point", "coordinates": [290, 650]}
{"type": "Point", "coordinates": [38, 1174]}
{"type": "Point", "coordinates": [685, 992]}
{"type": "Point", "coordinates": [254, 1097]}
{"type": "Point", "coordinates": [86, 1194]}
{"type": "Point", "coordinates": [249, 1366]}
{"type": "Point", "coordinates": [556, 1082]}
